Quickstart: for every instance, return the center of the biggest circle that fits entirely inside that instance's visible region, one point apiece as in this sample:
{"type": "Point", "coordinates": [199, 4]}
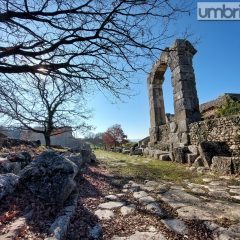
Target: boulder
{"type": "Point", "coordinates": [14, 162]}
{"type": "Point", "coordinates": [222, 165]}
{"type": "Point", "coordinates": [180, 154]}
{"type": "Point", "coordinates": [50, 177]}
{"type": "Point", "coordinates": [77, 159]}
{"type": "Point", "coordinates": [208, 150]}
{"type": "Point", "coordinates": [8, 183]}
{"type": "Point", "coordinates": [9, 167]}
{"type": "Point", "coordinates": [137, 151]}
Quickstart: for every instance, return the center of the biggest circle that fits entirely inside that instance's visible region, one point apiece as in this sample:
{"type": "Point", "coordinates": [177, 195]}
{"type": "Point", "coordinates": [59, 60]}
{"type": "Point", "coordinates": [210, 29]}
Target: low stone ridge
{"type": "Point", "coordinates": [50, 177]}
{"type": "Point", "coordinates": [8, 183]}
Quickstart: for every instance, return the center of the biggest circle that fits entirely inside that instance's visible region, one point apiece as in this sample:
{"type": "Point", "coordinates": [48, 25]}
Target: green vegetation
{"type": "Point", "coordinates": [141, 168]}
{"type": "Point", "coordinates": [230, 107]}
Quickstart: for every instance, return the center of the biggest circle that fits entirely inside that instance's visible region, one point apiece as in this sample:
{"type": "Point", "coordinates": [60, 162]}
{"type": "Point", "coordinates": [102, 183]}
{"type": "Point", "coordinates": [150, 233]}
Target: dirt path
{"type": "Point", "coordinates": [136, 198]}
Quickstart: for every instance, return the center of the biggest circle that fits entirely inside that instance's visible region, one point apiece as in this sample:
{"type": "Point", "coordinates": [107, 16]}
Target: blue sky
{"type": "Point", "coordinates": [217, 71]}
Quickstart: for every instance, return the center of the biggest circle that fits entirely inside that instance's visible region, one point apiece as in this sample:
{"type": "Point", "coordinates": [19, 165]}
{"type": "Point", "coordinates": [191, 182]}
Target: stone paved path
{"type": "Point", "coordinates": [212, 203]}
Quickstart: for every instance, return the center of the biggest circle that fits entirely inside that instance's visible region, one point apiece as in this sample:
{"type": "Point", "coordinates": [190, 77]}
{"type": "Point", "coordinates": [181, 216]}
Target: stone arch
{"type": "Point", "coordinates": [186, 105]}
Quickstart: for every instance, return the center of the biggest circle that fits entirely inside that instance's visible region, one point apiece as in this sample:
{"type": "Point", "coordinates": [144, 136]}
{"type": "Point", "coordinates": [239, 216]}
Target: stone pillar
{"type": "Point", "coordinates": [186, 104]}
{"type": "Point", "coordinates": [156, 101]}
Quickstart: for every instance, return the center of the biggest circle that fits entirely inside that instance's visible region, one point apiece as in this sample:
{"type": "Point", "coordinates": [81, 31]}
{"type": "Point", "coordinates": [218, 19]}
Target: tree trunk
{"type": "Point", "coordinates": [47, 140]}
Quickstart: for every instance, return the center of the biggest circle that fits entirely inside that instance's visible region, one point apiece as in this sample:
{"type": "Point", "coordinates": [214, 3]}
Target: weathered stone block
{"type": "Point", "coordinates": [180, 154]}
{"type": "Point", "coordinates": [208, 150]}
{"type": "Point", "coordinates": [191, 157]}
{"type": "Point", "coordinates": [165, 157]}
{"type": "Point", "coordinates": [222, 165]}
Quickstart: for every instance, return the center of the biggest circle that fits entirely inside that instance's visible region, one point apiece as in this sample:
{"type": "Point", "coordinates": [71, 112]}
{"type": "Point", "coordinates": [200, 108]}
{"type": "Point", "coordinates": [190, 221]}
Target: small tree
{"type": "Point", "coordinates": [43, 105]}
{"type": "Point", "coordinates": [114, 136]}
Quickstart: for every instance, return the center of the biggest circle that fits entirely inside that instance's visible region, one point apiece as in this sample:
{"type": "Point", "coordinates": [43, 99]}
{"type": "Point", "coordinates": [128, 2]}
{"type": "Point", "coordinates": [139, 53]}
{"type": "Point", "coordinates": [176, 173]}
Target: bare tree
{"type": "Point", "coordinates": [88, 43]}
{"type": "Point", "coordinates": [43, 105]}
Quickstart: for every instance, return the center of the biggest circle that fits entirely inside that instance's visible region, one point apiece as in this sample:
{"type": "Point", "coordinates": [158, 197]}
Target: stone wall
{"type": "Point", "coordinates": [163, 138]}
{"type": "Point", "coordinates": [225, 129]}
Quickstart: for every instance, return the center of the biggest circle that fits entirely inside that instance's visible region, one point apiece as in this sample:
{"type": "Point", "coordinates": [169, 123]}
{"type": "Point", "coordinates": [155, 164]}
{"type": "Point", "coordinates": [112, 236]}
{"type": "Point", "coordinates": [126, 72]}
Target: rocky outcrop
{"type": "Point", "coordinates": [50, 177]}
{"type": "Point", "coordinates": [14, 163]}
{"type": "Point", "coordinates": [8, 183]}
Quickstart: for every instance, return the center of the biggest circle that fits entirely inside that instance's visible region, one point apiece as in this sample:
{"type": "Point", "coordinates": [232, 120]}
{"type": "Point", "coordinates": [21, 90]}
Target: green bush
{"type": "Point", "coordinates": [230, 107]}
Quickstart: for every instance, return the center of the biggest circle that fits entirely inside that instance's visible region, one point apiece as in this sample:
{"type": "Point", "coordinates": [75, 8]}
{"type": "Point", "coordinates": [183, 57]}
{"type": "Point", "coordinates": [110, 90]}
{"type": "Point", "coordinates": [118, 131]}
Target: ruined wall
{"type": "Point", "coordinates": [164, 137]}
{"type": "Point", "coordinates": [225, 129]}
{"type": "Point", "coordinates": [186, 106]}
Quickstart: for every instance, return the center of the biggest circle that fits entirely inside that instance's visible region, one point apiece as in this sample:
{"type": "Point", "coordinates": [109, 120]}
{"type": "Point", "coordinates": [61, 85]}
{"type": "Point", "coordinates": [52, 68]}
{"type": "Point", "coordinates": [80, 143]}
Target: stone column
{"type": "Point", "coordinates": [156, 101]}
{"type": "Point", "coordinates": [186, 104]}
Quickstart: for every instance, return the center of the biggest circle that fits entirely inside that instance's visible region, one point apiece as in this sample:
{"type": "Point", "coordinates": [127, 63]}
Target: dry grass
{"type": "Point", "coordinates": [141, 168]}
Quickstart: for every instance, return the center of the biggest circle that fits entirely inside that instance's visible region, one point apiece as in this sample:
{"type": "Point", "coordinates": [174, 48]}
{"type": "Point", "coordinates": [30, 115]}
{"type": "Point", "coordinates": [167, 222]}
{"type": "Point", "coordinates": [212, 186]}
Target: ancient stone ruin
{"type": "Point", "coordinates": [179, 59]}
{"type": "Point", "coordinates": [186, 137]}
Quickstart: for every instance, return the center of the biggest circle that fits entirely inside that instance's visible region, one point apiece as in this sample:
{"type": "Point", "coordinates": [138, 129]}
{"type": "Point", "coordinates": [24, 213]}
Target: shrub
{"type": "Point", "coordinates": [230, 107]}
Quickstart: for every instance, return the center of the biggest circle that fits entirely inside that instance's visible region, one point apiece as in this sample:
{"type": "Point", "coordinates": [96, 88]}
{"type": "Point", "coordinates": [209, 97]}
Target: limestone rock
{"type": "Point", "coordinates": [9, 167]}
{"type": "Point", "coordinates": [180, 154]}
{"type": "Point", "coordinates": [146, 200]}
{"type": "Point", "coordinates": [111, 205]}
{"type": "Point", "coordinates": [178, 198]}
{"type": "Point", "coordinates": [176, 225]}
{"type": "Point", "coordinates": [140, 194]}
{"type": "Point", "coordinates": [111, 197]}
{"type": "Point", "coordinates": [153, 207]}
{"type": "Point", "coordinates": [126, 210]}
{"type": "Point", "coordinates": [208, 150]}
{"type": "Point", "coordinates": [222, 165]}
{"type": "Point", "coordinates": [77, 159]}
{"type": "Point", "coordinates": [142, 236]}
{"type": "Point", "coordinates": [104, 214]}
{"type": "Point", "coordinates": [50, 177]}
{"type": "Point", "coordinates": [8, 183]}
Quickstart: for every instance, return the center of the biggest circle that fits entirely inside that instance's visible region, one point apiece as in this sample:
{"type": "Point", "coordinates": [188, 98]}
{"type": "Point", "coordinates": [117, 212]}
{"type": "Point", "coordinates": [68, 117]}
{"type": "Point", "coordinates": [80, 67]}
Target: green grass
{"type": "Point", "coordinates": [142, 168]}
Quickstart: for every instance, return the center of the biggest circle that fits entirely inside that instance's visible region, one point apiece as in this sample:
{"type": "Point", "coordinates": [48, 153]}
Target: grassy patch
{"type": "Point", "coordinates": [141, 168]}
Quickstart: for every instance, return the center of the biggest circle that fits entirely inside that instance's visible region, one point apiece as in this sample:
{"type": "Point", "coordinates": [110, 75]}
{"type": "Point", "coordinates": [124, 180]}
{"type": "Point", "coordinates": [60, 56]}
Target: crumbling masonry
{"type": "Point", "coordinates": [186, 138]}
{"type": "Point", "coordinates": [179, 59]}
